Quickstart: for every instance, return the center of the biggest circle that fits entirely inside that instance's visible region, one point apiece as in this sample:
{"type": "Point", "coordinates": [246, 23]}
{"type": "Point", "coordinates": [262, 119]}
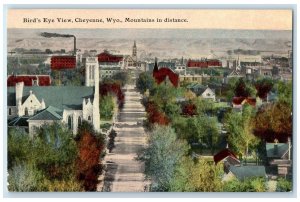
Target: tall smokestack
{"type": "Point", "coordinates": [74, 46]}
{"type": "Point", "coordinates": [54, 35]}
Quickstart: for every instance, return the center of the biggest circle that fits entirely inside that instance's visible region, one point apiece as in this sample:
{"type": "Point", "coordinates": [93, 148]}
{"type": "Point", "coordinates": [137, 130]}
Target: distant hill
{"type": "Point", "coordinates": [157, 43]}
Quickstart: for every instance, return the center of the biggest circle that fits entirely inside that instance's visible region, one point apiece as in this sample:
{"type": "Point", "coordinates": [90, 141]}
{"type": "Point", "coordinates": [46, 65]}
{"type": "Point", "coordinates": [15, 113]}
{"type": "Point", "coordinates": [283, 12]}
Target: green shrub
{"type": "Point", "coordinates": [283, 185]}
{"type": "Point", "coordinates": [24, 178]}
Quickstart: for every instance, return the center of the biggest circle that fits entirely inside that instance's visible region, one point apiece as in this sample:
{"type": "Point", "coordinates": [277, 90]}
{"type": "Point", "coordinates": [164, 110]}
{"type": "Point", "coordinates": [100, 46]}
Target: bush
{"type": "Point", "coordinates": [66, 185]}
{"type": "Point", "coordinates": [18, 147]}
{"type": "Point", "coordinates": [255, 184]}
{"type": "Point", "coordinates": [43, 162]}
{"type": "Point", "coordinates": [106, 107]}
{"type": "Point", "coordinates": [111, 142]}
{"type": "Point", "coordinates": [284, 185]}
{"type": "Point", "coordinates": [24, 178]}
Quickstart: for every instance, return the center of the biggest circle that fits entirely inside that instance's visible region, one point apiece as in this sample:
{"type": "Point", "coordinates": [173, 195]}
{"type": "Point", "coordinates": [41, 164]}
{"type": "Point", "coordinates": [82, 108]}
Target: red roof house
{"type": "Point", "coordinates": [203, 63]}
{"type": "Point", "coordinates": [226, 154]}
{"type": "Point", "coordinates": [63, 62]}
{"type": "Point", "coordinates": [29, 80]}
{"type": "Point", "coordinates": [107, 57]}
{"type": "Point", "coordinates": [239, 101]}
{"type": "Point", "coordinates": [161, 74]}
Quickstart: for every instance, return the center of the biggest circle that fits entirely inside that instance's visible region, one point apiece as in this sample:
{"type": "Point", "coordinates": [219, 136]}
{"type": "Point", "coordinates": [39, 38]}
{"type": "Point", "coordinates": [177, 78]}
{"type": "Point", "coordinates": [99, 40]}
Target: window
{"type": "Point", "coordinates": [79, 120]}
{"type": "Point", "coordinates": [9, 111]}
{"type": "Point", "coordinates": [26, 111]}
{"type": "Point", "coordinates": [93, 72]}
{"type": "Point", "coordinates": [34, 82]}
{"type": "Point", "coordinates": [89, 118]}
{"type": "Point", "coordinates": [70, 124]}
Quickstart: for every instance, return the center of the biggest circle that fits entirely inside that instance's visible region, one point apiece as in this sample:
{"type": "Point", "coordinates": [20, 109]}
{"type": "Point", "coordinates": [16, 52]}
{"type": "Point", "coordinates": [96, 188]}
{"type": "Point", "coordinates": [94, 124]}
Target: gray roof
{"type": "Point", "coordinates": [242, 172]}
{"type": "Point", "coordinates": [50, 113]}
{"type": "Point", "coordinates": [197, 88]}
{"type": "Point", "coordinates": [19, 121]}
{"type": "Point", "coordinates": [282, 148]}
{"type": "Point", "coordinates": [61, 97]}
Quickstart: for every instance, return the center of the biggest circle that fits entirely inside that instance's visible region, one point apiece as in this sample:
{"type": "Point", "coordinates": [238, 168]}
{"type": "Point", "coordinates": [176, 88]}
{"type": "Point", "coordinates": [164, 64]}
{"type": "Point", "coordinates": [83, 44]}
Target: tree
{"type": "Point", "coordinates": [106, 107]}
{"type": "Point", "coordinates": [155, 116]}
{"type": "Point", "coordinates": [43, 162]}
{"type": "Point", "coordinates": [211, 132]}
{"type": "Point", "coordinates": [204, 130]}
{"type": "Point", "coordinates": [114, 88]}
{"type": "Point", "coordinates": [121, 77]}
{"type": "Point", "coordinates": [206, 177]}
{"type": "Point", "coordinates": [204, 106]}
{"type": "Point", "coordinates": [163, 95]}
{"type": "Point", "coordinates": [230, 88]}
{"type": "Point", "coordinates": [244, 89]}
{"type": "Point", "coordinates": [201, 176]}
{"type": "Point", "coordinates": [189, 109]}
{"type": "Point", "coordinates": [285, 92]}
{"type": "Point", "coordinates": [161, 157]}
{"type": "Point", "coordinates": [18, 147]}
{"type": "Point", "coordinates": [56, 150]}
{"type": "Point", "coordinates": [274, 121]}
{"type": "Point", "coordinates": [240, 130]}
{"type": "Point", "coordinates": [263, 87]}
{"type": "Point", "coordinates": [90, 145]}
{"type": "Point", "coordinates": [164, 99]}
{"type": "Point", "coordinates": [145, 82]}
{"type": "Point", "coordinates": [182, 175]}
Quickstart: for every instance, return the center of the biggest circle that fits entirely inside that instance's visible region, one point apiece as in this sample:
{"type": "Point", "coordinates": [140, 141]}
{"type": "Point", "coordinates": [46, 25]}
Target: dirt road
{"type": "Point", "coordinates": [124, 172]}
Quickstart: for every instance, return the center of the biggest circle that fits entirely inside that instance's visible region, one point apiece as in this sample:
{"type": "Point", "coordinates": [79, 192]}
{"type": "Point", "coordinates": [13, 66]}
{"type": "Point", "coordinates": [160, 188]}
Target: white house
{"type": "Point", "coordinates": [46, 104]}
{"type": "Point", "coordinates": [202, 91]}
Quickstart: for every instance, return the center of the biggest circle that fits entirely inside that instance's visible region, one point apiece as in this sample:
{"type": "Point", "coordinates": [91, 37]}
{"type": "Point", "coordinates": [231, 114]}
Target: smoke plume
{"type": "Point", "coordinates": [50, 35]}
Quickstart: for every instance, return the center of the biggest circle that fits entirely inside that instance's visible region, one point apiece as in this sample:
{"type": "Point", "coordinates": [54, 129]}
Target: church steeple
{"type": "Point", "coordinates": [155, 66]}
{"type": "Point", "coordinates": [134, 51]}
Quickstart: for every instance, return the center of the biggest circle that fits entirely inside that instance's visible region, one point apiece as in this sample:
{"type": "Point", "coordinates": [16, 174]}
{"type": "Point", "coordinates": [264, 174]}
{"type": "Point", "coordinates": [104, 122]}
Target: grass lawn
{"type": "Point", "coordinates": [220, 105]}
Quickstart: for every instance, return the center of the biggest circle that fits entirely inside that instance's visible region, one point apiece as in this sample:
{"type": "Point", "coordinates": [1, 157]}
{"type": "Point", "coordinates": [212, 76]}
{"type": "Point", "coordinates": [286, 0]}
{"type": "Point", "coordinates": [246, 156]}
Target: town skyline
{"type": "Point", "coordinates": [165, 43]}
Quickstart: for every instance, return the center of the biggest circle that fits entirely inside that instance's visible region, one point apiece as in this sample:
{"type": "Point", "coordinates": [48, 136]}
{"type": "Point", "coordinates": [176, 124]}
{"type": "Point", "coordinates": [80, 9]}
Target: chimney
{"type": "Point", "coordinates": [275, 151]}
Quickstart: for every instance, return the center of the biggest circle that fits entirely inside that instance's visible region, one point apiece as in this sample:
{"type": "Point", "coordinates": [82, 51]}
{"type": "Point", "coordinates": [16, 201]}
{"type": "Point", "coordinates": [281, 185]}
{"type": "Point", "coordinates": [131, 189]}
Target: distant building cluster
{"type": "Point", "coordinates": [32, 100]}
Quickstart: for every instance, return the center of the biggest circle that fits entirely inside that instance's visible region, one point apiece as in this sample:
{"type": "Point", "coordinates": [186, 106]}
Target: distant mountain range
{"type": "Point", "coordinates": [163, 43]}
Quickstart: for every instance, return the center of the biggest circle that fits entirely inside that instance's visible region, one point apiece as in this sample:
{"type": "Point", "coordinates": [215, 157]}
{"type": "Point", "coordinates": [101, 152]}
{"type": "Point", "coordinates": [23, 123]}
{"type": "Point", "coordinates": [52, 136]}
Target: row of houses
{"type": "Point", "coordinates": [278, 163]}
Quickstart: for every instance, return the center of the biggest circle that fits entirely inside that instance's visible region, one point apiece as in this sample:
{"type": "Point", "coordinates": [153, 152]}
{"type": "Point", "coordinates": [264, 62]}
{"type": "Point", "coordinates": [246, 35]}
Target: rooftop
{"type": "Point", "coordinates": [50, 113]}
{"type": "Point", "coordinates": [223, 154]}
{"type": "Point", "coordinates": [61, 97]}
{"type": "Point", "coordinates": [282, 149]}
{"type": "Point", "coordinates": [242, 172]}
